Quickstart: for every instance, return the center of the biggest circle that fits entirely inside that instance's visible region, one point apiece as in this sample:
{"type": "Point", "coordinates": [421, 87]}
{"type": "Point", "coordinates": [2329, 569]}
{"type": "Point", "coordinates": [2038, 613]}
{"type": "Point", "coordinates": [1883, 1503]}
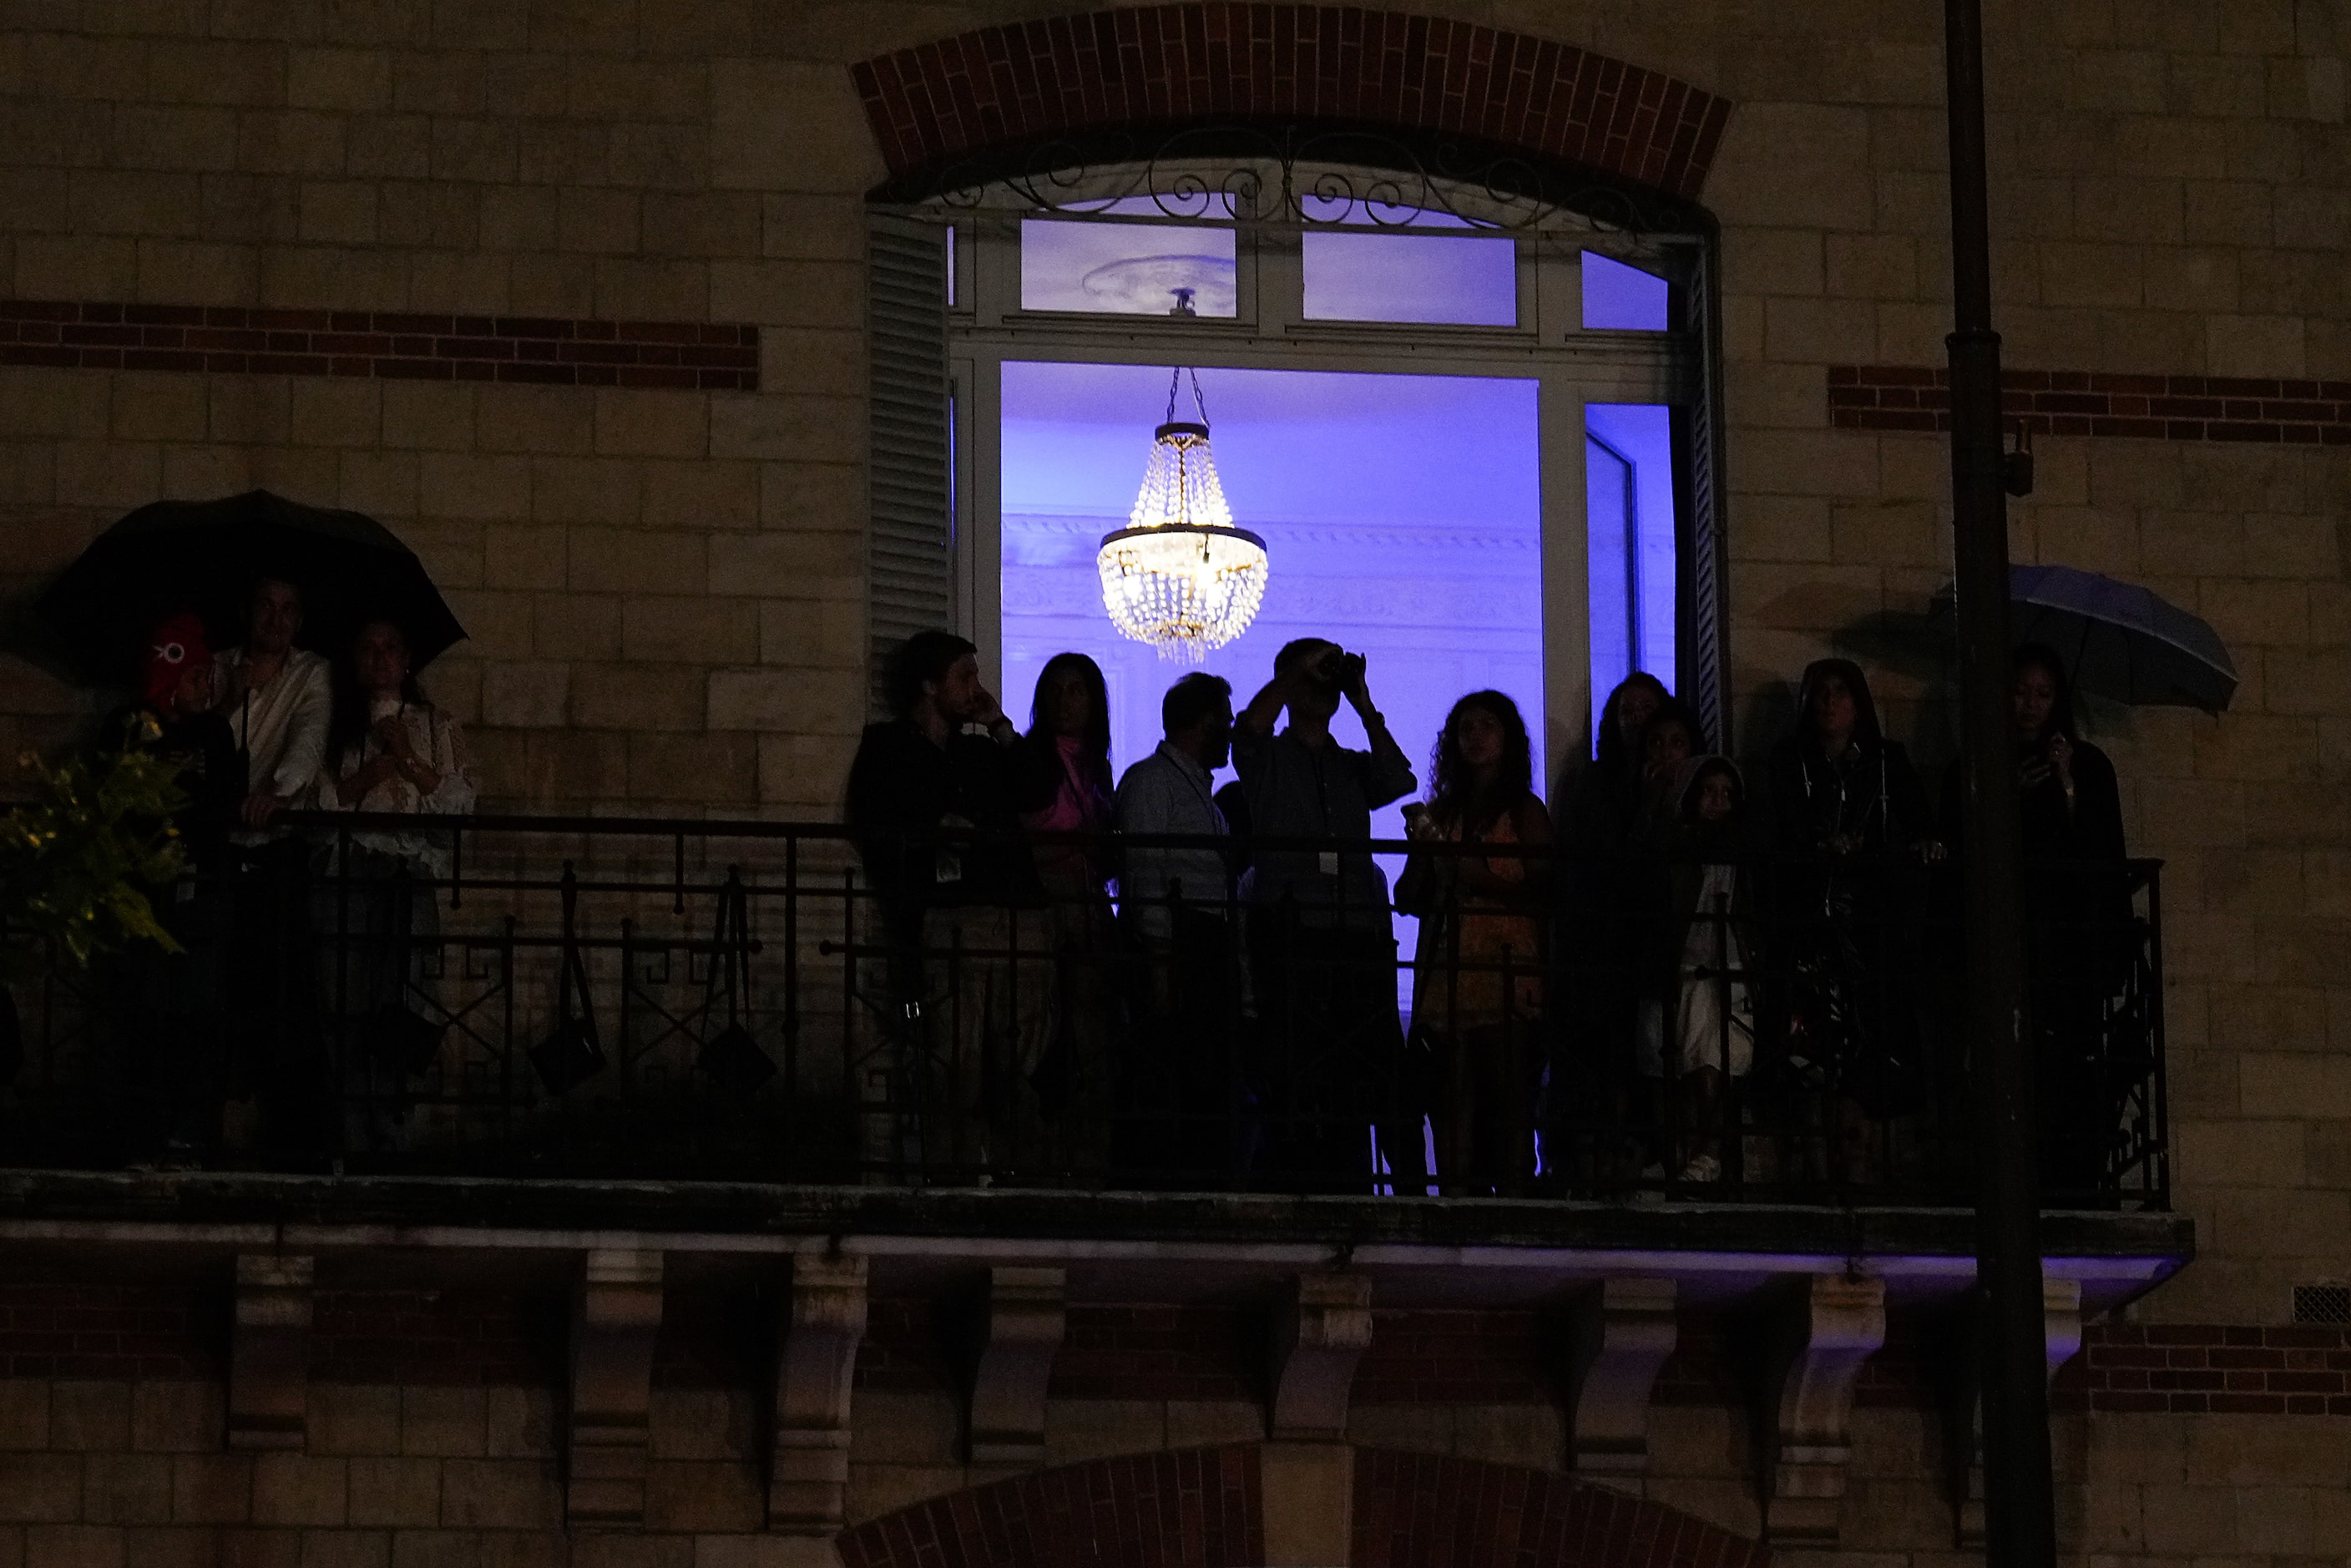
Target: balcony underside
{"type": "Point", "coordinates": [1130, 1246]}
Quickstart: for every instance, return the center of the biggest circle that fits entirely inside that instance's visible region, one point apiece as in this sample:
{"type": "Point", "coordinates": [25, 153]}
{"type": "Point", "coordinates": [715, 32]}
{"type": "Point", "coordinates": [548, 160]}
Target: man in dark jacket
{"type": "Point", "coordinates": [934, 800]}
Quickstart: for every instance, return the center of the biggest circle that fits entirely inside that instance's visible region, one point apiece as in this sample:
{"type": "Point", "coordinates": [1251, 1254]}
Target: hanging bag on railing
{"type": "Point", "coordinates": [731, 1057]}
{"type": "Point", "coordinates": [570, 1054]}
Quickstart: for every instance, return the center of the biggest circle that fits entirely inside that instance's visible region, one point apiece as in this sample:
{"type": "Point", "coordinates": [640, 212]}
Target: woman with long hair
{"type": "Point", "coordinates": [1851, 817]}
{"type": "Point", "coordinates": [390, 750]}
{"type": "Point", "coordinates": [1601, 801]}
{"type": "Point", "coordinates": [1595, 891]}
{"type": "Point", "coordinates": [1477, 983]}
{"type": "Point", "coordinates": [1069, 719]}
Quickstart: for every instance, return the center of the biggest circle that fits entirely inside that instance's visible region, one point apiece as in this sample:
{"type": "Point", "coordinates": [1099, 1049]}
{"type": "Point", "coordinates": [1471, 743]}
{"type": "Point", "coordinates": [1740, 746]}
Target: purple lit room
{"type": "Point", "coordinates": [1401, 514]}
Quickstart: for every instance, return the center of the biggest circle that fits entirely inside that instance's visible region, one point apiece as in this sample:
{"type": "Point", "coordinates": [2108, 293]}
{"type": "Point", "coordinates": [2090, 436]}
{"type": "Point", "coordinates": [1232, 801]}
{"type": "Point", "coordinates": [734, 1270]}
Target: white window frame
{"type": "Point", "coordinates": [1571, 366]}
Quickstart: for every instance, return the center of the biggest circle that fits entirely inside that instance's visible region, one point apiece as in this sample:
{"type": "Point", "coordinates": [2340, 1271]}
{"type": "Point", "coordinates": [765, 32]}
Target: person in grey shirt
{"type": "Point", "coordinates": [1173, 792]}
{"type": "Point", "coordinates": [1176, 1101]}
{"type": "Point", "coordinates": [1328, 1060]}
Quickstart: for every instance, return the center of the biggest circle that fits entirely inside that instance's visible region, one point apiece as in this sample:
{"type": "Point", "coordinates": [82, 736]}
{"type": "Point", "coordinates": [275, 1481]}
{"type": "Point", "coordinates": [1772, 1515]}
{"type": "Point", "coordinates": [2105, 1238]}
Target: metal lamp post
{"type": "Point", "coordinates": [2020, 1512]}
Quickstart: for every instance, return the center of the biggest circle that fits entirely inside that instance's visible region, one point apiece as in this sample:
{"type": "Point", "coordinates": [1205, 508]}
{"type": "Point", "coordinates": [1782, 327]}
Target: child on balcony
{"type": "Point", "coordinates": [1699, 1008]}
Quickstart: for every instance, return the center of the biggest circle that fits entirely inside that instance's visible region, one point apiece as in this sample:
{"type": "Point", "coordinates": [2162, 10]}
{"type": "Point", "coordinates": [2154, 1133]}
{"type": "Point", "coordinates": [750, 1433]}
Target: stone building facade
{"type": "Point", "coordinates": [572, 295]}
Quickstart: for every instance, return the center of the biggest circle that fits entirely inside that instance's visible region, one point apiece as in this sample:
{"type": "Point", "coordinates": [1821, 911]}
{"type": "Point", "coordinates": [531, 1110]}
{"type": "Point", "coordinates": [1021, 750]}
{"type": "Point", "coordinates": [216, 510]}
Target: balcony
{"type": "Point", "coordinates": [623, 1052]}
{"type": "Point", "coordinates": [614, 1017]}
{"type": "Point", "coordinates": [593, 999]}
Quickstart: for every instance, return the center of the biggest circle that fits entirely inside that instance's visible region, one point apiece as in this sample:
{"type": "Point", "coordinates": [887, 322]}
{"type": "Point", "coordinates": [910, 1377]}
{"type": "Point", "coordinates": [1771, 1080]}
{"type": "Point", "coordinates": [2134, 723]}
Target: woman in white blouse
{"type": "Point", "coordinates": [389, 750]}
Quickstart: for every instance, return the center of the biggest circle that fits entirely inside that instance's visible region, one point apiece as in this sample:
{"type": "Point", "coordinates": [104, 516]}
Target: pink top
{"type": "Point", "coordinates": [1078, 806]}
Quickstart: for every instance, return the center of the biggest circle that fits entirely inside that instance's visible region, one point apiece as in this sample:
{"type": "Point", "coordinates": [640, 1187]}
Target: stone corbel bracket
{"type": "Point", "coordinates": [2060, 1326]}
{"type": "Point", "coordinates": [1619, 1337]}
{"type": "Point", "coordinates": [1825, 1327]}
{"type": "Point", "coordinates": [1321, 1331]}
{"type": "Point", "coordinates": [269, 1352]}
{"type": "Point", "coordinates": [819, 1330]}
{"type": "Point", "coordinates": [615, 1319]}
{"type": "Point", "coordinates": [1022, 1320]}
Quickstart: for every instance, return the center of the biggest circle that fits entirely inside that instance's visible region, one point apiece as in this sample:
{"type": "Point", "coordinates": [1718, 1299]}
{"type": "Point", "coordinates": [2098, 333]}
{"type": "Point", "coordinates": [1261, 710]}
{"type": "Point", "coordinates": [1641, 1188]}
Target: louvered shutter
{"type": "Point", "coordinates": [910, 583]}
{"type": "Point", "coordinates": [1704, 678]}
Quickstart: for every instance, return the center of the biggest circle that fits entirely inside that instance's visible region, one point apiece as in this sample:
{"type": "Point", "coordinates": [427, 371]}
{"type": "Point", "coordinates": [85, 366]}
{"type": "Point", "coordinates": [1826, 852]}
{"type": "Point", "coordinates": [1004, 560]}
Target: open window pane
{"type": "Point", "coordinates": [1621, 297]}
{"type": "Point", "coordinates": [1628, 478]}
{"type": "Point", "coordinates": [1126, 269]}
{"type": "Point", "coordinates": [1459, 280]}
{"type": "Point", "coordinates": [1422, 551]}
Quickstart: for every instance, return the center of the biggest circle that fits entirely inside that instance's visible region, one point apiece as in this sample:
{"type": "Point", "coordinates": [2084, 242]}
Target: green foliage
{"type": "Point", "coordinates": [77, 859]}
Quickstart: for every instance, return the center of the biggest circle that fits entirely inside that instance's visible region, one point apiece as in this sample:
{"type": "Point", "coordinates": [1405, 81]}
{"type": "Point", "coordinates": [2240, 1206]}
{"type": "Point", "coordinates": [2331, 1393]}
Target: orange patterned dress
{"type": "Point", "coordinates": [1459, 966]}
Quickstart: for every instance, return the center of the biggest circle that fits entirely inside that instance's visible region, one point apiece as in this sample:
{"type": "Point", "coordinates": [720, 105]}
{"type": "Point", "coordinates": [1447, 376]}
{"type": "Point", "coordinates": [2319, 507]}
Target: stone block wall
{"type": "Point", "coordinates": [665, 584]}
{"type": "Point", "coordinates": [435, 1435]}
{"type": "Point", "coordinates": [2169, 200]}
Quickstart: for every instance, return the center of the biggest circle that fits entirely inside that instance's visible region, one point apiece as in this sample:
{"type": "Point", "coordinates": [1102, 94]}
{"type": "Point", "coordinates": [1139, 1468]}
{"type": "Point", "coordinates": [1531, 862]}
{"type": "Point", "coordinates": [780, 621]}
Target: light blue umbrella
{"type": "Point", "coordinates": [2117, 639]}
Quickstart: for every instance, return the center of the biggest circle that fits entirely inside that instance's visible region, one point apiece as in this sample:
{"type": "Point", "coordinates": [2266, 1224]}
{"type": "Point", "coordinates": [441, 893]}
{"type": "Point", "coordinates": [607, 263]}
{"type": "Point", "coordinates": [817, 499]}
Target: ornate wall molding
{"type": "Point", "coordinates": [820, 1328]}
{"type": "Point", "coordinates": [269, 1351]}
{"type": "Point", "coordinates": [1023, 1317]}
{"type": "Point", "coordinates": [1319, 1333]}
{"type": "Point", "coordinates": [1824, 1327]}
{"type": "Point", "coordinates": [615, 1319]}
{"type": "Point", "coordinates": [1622, 1333]}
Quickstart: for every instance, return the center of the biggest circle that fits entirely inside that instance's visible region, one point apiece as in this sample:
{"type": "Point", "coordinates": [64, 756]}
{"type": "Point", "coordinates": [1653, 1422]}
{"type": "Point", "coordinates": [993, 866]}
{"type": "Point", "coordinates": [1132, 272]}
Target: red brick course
{"type": "Point", "coordinates": [1166, 64]}
{"type": "Point", "coordinates": [2196, 1369]}
{"type": "Point", "coordinates": [111, 1331]}
{"type": "Point", "coordinates": [1422, 1510]}
{"type": "Point", "coordinates": [2101, 403]}
{"type": "Point", "coordinates": [905, 1349]}
{"type": "Point", "coordinates": [234, 340]}
{"type": "Point", "coordinates": [1460, 1358]}
{"type": "Point", "coordinates": [1197, 1507]}
{"type": "Point", "coordinates": [1161, 1352]}
{"type": "Point", "coordinates": [440, 1338]}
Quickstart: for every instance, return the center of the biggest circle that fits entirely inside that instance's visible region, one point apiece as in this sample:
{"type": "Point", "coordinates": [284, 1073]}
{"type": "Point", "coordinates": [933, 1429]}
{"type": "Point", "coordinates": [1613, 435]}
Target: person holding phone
{"type": "Point", "coordinates": [935, 799]}
{"type": "Point", "coordinates": [1321, 950]}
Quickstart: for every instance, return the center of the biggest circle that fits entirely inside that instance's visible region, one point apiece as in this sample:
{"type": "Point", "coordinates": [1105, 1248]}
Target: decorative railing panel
{"type": "Point", "coordinates": [691, 1000]}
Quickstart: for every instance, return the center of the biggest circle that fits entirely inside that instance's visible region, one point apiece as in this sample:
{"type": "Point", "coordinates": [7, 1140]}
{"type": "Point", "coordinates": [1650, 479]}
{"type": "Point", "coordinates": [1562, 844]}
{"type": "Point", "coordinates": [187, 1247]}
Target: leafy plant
{"type": "Point", "coordinates": [77, 859]}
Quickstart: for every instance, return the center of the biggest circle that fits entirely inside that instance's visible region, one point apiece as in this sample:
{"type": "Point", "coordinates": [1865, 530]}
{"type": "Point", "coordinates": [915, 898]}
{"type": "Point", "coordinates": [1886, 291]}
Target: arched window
{"type": "Point", "coordinates": [1471, 410]}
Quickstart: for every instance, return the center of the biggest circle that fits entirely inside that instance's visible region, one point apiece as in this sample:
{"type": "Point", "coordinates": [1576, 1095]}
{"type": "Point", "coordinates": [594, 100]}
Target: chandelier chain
{"type": "Point", "coordinates": [1175, 384]}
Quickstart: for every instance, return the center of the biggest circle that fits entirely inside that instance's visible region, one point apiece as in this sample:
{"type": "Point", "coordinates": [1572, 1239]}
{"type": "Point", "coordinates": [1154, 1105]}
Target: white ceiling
{"type": "Point", "coordinates": [1295, 446]}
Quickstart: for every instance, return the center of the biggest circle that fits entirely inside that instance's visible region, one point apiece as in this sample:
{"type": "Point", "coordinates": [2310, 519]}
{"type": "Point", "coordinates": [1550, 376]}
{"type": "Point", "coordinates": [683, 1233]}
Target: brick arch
{"type": "Point", "coordinates": [1204, 1508]}
{"type": "Point", "coordinates": [938, 103]}
{"type": "Point", "coordinates": [1427, 1511]}
{"type": "Point", "coordinates": [1199, 1507]}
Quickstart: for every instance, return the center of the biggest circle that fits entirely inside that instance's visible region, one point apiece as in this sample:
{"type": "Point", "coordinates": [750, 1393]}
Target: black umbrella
{"type": "Point", "coordinates": [204, 556]}
{"type": "Point", "coordinates": [2117, 639]}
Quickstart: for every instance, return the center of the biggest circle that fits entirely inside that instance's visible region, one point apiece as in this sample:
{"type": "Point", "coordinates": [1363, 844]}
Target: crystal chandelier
{"type": "Point", "coordinates": [1179, 576]}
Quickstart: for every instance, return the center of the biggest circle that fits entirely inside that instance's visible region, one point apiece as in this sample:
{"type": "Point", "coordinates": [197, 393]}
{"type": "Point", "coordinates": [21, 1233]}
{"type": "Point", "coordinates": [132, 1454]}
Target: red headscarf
{"type": "Point", "coordinates": [176, 644]}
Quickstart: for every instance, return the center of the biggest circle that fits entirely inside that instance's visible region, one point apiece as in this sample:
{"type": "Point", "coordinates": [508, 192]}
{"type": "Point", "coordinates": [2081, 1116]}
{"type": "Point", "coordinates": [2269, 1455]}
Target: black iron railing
{"type": "Point", "coordinates": [688, 999]}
